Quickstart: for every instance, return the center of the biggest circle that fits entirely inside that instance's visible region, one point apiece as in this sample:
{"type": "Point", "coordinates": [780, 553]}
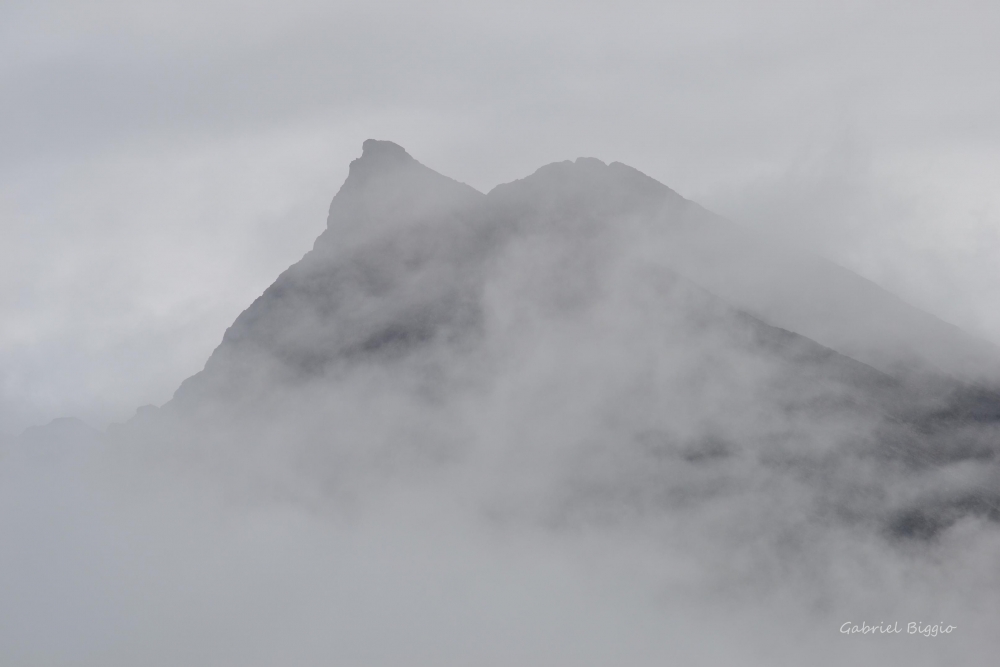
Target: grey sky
{"type": "Point", "coordinates": [162, 162]}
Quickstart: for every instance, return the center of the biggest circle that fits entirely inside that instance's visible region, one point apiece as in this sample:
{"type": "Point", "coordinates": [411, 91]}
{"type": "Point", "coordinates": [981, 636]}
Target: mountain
{"type": "Point", "coordinates": [393, 269]}
{"type": "Point", "coordinates": [622, 348]}
{"type": "Point", "coordinates": [414, 239]}
{"type": "Point", "coordinates": [785, 287]}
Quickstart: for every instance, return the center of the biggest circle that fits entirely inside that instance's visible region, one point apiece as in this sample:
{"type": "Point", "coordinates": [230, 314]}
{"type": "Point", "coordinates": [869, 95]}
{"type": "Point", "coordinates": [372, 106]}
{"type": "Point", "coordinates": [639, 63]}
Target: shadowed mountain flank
{"type": "Point", "coordinates": [393, 270]}
{"type": "Point", "coordinates": [784, 286]}
{"type": "Point", "coordinates": [387, 190]}
{"type": "Point", "coordinates": [609, 350]}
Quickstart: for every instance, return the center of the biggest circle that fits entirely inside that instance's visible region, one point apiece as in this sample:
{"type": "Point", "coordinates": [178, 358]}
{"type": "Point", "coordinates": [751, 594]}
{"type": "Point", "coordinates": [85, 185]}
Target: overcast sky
{"type": "Point", "coordinates": [161, 163]}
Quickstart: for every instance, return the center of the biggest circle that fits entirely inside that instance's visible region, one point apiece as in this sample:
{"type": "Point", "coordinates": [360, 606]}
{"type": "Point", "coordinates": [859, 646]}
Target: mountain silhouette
{"type": "Point", "coordinates": [686, 342]}
{"type": "Point", "coordinates": [403, 256]}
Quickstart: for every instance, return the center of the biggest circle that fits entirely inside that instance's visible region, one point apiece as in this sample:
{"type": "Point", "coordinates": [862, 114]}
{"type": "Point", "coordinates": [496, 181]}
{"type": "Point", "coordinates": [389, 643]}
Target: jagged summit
{"type": "Point", "coordinates": [373, 148]}
{"type": "Point", "coordinates": [590, 310]}
{"type": "Point", "coordinates": [390, 272]}
{"type": "Point", "coordinates": [589, 188]}
{"type": "Point", "coordinates": [377, 157]}
{"type": "Point", "coordinates": [409, 256]}
{"type": "Point", "coordinates": [385, 189]}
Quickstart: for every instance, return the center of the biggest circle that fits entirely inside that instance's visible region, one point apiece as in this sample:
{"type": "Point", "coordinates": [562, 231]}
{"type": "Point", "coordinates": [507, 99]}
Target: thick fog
{"type": "Point", "coordinates": [163, 162]}
{"type": "Point", "coordinates": [571, 419]}
{"type": "Point", "coordinates": [504, 429]}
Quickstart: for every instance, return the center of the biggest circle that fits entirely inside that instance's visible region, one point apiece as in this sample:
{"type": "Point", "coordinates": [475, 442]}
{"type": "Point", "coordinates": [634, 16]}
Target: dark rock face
{"type": "Point", "coordinates": [638, 310]}
{"type": "Point", "coordinates": [395, 269]}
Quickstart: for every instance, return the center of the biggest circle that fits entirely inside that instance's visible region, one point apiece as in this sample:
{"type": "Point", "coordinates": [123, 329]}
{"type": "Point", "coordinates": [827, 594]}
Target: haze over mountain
{"type": "Point", "coordinates": [416, 241]}
{"type": "Point", "coordinates": [582, 369]}
{"type": "Point", "coordinates": [667, 330]}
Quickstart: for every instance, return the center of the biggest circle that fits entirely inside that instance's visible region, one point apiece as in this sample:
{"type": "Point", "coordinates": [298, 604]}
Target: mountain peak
{"type": "Point", "coordinates": [373, 146]}
{"type": "Point", "coordinates": [379, 157]}
{"type": "Point", "coordinates": [588, 188]}
{"type": "Point", "coordinates": [374, 149]}
{"type": "Point", "coordinates": [386, 188]}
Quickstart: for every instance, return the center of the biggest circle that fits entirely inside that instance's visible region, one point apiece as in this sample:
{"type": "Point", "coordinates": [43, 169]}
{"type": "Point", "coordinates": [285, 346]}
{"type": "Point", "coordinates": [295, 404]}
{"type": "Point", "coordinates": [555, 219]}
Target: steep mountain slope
{"type": "Point", "coordinates": [547, 343]}
{"type": "Point", "coordinates": [517, 420]}
{"type": "Point", "coordinates": [399, 235]}
{"type": "Point", "coordinates": [408, 255]}
{"type": "Point", "coordinates": [784, 286]}
{"type": "Point", "coordinates": [419, 242]}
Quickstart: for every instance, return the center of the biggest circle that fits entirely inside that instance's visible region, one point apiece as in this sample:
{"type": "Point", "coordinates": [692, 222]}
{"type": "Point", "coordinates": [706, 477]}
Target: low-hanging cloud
{"type": "Point", "coordinates": [508, 434]}
{"type": "Point", "coordinates": [225, 106]}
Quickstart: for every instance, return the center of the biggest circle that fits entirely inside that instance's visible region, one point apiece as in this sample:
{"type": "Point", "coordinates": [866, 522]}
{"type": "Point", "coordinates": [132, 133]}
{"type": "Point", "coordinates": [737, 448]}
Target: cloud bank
{"type": "Point", "coordinates": [505, 429]}
{"type": "Point", "coordinates": [192, 148]}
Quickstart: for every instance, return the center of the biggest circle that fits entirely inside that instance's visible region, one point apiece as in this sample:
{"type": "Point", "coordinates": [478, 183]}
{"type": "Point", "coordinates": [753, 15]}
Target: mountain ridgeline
{"type": "Point", "coordinates": [592, 347]}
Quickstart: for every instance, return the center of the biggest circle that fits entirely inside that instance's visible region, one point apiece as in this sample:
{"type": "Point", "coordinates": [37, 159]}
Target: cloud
{"type": "Point", "coordinates": [714, 98]}
{"type": "Point", "coordinates": [529, 441]}
{"type": "Point", "coordinates": [922, 230]}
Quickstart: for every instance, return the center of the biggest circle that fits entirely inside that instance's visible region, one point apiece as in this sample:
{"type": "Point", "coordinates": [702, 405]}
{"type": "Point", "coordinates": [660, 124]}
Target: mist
{"type": "Point", "coordinates": [510, 428]}
{"type": "Point", "coordinates": [708, 396]}
{"type": "Point", "coordinates": [163, 164]}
